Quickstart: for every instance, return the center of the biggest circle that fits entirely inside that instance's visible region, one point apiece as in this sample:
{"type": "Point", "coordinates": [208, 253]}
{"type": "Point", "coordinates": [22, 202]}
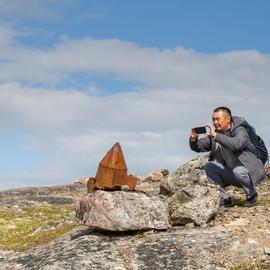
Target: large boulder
{"type": "Point", "coordinates": [123, 211]}
{"type": "Point", "coordinates": [193, 197]}
{"type": "Point", "coordinates": [194, 203]}
{"type": "Point", "coordinates": [190, 173]}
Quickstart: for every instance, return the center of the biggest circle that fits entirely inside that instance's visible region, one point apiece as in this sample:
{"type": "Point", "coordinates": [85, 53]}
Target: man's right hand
{"type": "Point", "coordinates": [193, 134]}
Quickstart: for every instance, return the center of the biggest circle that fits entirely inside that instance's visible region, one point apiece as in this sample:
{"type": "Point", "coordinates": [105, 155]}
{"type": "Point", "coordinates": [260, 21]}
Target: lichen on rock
{"type": "Point", "coordinates": [123, 211]}
{"type": "Point", "coordinates": [190, 173]}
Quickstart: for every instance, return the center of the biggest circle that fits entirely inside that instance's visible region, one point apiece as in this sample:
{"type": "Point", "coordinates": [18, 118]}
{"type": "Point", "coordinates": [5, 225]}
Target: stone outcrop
{"type": "Point", "coordinates": [197, 204]}
{"type": "Point", "coordinates": [123, 211]}
{"type": "Point", "coordinates": [26, 197]}
{"type": "Point", "coordinates": [190, 173]}
{"type": "Point", "coordinates": [204, 248]}
{"type": "Point", "coordinates": [238, 238]}
{"type": "Point", "coordinates": [193, 198]}
{"type": "Point", "coordinates": [149, 184]}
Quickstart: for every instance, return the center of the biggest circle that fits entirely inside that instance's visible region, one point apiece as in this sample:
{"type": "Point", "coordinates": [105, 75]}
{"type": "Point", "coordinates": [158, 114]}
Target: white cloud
{"type": "Point", "coordinates": [74, 129]}
{"type": "Point", "coordinates": [128, 61]}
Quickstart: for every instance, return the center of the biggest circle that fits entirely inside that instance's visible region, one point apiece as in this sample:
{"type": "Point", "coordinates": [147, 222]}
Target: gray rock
{"type": "Point", "coordinates": [236, 215]}
{"type": "Point", "coordinates": [191, 172]}
{"type": "Point", "coordinates": [197, 204]}
{"type": "Point", "coordinates": [86, 249]}
{"type": "Point", "coordinates": [21, 198]}
{"type": "Point", "coordinates": [123, 211]}
{"type": "Point", "coordinates": [222, 244]}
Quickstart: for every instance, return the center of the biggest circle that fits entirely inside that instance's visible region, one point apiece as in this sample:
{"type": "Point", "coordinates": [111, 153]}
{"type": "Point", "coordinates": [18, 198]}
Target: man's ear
{"type": "Point", "coordinates": [229, 118]}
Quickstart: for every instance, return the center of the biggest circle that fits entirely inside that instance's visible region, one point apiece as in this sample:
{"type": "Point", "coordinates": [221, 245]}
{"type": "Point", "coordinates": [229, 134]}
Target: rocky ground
{"type": "Point", "coordinates": [38, 231]}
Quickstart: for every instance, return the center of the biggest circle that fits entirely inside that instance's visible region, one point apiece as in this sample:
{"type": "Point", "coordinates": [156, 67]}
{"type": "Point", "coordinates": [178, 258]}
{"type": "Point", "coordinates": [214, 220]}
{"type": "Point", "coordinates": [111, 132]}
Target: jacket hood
{"type": "Point", "coordinates": [237, 121]}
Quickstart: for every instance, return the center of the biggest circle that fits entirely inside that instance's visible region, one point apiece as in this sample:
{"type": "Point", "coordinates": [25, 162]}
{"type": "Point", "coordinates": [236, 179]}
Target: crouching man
{"type": "Point", "coordinates": [232, 160]}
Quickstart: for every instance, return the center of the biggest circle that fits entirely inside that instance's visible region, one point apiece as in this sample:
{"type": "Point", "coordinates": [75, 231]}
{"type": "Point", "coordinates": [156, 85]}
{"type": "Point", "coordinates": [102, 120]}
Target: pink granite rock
{"type": "Point", "coordinates": [123, 211]}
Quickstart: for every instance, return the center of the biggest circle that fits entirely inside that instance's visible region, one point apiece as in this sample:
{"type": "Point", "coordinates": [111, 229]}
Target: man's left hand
{"type": "Point", "coordinates": [212, 133]}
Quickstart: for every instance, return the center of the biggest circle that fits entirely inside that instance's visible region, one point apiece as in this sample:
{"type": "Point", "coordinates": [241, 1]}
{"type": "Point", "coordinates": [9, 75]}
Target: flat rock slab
{"type": "Point", "coordinates": [123, 211]}
{"type": "Point", "coordinates": [209, 249]}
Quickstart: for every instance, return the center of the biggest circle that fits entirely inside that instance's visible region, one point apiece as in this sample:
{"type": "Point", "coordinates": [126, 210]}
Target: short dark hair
{"type": "Point", "coordinates": [224, 109]}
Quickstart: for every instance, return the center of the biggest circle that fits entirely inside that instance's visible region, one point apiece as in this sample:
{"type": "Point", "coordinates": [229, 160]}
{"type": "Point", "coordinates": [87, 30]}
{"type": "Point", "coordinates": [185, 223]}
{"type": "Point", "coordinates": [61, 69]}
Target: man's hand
{"type": "Point", "coordinates": [193, 134]}
{"type": "Point", "coordinates": [212, 133]}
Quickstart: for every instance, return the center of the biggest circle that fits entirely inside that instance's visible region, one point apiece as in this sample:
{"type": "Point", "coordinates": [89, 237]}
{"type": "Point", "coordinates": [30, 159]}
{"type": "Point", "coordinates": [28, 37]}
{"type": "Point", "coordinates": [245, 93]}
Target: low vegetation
{"type": "Point", "coordinates": [249, 266]}
{"type": "Point", "coordinates": [26, 228]}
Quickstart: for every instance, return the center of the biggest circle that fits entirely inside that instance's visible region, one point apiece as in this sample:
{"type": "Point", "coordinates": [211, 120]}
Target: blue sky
{"type": "Point", "coordinates": [77, 76]}
{"type": "Point", "coordinates": [206, 26]}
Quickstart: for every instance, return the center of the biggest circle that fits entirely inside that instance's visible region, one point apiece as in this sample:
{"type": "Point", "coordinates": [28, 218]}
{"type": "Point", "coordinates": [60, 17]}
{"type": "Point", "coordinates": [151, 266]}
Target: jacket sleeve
{"type": "Point", "coordinates": [236, 143]}
{"type": "Point", "coordinates": [201, 145]}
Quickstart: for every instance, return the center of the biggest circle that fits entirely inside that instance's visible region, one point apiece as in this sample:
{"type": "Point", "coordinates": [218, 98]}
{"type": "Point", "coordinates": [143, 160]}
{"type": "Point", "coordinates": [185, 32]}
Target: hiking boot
{"type": "Point", "coordinates": [251, 201]}
{"type": "Point", "coordinates": [226, 202]}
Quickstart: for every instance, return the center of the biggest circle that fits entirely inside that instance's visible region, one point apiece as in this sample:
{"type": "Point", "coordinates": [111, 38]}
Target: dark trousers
{"type": "Point", "coordinates": [223, 176]}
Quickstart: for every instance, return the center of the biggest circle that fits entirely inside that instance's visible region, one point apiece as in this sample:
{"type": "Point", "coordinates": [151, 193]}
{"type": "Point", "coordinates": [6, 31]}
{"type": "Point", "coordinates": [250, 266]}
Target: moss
{"type": "Point", "coordinates": [260, 201]}
{"type": "Point", "coordinates": [266, 182]}
{"type": "Point", "coordinates": [263, 202]}
{"type": "Point", "coordinates": [178, 203]}
{"type": "Point", "coordinates": [238, 201]}
{"type": "Point", "coordinates": [140, 234]}
{"type": "Point", "coordinates": [20, 230]}
{"type": "Point", "coordinates": [248, 265]}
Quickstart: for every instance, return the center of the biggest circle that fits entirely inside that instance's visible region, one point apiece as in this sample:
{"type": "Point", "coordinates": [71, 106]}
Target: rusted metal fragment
{"type": "Point", "coordinates": [112, 172]}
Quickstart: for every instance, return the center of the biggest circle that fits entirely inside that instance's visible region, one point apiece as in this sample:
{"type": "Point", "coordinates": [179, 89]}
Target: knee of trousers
{"type": "Point", "coordinates": [209, 167]}
{"type": "Point", "coordinates": [240, 172]}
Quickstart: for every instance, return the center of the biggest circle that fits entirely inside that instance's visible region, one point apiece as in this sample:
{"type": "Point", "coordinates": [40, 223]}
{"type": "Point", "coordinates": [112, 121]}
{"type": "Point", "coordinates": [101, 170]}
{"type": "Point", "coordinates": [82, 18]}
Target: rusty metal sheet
{"type": "Point", "coordinates": [112, 172]}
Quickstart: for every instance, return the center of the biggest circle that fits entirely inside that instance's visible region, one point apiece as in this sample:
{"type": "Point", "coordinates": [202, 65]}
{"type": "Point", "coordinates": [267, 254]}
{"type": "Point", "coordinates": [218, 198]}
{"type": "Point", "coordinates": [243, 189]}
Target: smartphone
{"type": "Point", "coordinates": [200, 130]}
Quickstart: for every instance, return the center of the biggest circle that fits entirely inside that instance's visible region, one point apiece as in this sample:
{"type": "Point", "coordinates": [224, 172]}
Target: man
{"type": "Point", "coordinates": [232, 159]}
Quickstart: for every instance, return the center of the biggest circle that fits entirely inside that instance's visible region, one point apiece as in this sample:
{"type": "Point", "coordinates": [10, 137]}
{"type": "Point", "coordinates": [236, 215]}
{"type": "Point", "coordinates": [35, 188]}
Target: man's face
{"type": "Point", "coordinates": [221, 121]}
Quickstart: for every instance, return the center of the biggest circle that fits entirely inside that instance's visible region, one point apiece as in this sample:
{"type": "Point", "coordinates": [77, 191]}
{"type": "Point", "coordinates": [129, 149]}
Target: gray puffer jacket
{"type": "Point", "coordinates": [238, 143]}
